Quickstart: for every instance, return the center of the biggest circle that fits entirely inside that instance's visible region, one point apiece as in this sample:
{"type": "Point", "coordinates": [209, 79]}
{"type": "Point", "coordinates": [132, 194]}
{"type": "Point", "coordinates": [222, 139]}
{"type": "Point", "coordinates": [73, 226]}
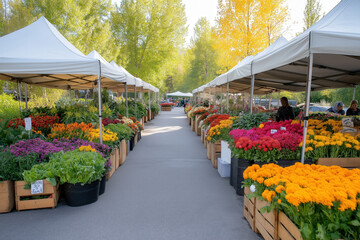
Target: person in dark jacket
{"type": "Point", "coordinates": [285, 112]}
{"type": "Point", "coordinates": [337, 108]}
{"type": "Point", "coordinates": [353, 110]}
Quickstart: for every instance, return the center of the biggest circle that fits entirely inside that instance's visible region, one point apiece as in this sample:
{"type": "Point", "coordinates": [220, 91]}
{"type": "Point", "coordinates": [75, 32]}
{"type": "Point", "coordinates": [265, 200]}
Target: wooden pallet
{"type": "Point", "coordinates": [215, 153]}
{"type": "Point", "coordinates": [348, 163]}
{"type": "Point", "coordinates": [48, 189]}
{"type": "Point", "coordinates": [249, 208]}
{"type": "Point", "coordinates": [7, 196]}
{"type": "Point", "coordinates": [266, 223]}
{"type": "Point", "coordinates": [287, 230]}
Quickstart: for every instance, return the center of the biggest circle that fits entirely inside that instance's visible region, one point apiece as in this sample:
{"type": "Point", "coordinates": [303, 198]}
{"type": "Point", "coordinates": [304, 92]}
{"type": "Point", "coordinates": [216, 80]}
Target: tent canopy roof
{"type": "Point", "coordinates": [38, 54]}
{"type": "Point", "coordinates": [179, 94]}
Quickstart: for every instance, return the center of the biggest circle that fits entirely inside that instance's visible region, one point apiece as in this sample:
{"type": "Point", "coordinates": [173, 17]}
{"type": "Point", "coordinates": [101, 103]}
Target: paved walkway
{"type": "Point", "coordinates": [166, 190]}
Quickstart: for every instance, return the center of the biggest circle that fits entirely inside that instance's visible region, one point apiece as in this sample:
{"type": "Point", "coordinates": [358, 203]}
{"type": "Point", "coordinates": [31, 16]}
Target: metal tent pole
{"type": "Point", "coordinates": [307, 103]}
{"type": "Point", "coordinates": [354, 93]}
{"type": "Point", "coordinates": [270, 102]}
{"type": "Point", "coordinates": [26, 96]}
{"type": "Point", "coordinates": [209, 96]}
{"type": "Point", "coordinates": [227, 97]}
{"type": "Point", "coordinates": [135, 102]}
{"type": "Point", "coordinates": [100, 104]}
{"type": "Point", "coordinates": [126, 101]}
{"type": "Point", "coordinates": [149, 106]}
{"type": "Point", "coordinates": [252, 92]}
{"type": "Point", "coordinates": [19, 93]}
{"type": "Point", "coordinates": [221, 95]}
{"type": "Point", "coordinates": [215, 97]}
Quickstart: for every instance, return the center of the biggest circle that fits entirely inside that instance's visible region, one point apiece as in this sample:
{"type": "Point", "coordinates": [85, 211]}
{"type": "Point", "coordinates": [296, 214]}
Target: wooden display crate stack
{"type": "Point", "coordinates": [266, 223]}
{"type": "Point", "coordinates": [122, 152]}
{"type": "Point", "coordinates": [197, 126]}
{"type": "Point", "coordinates": [48, 190]}
{"type": "Point", "coordinates": [348, 163]}
{"type": "Point", "coordinates": [249, 208]}
{"type": "Point", "coordinates": [165, 108]}
{"type": "Point", "coordinates": [113, 161]}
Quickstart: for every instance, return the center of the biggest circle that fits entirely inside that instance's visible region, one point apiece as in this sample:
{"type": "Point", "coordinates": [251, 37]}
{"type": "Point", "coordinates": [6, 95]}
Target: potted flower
{"type": "Point", "coordinates": [79, 171]}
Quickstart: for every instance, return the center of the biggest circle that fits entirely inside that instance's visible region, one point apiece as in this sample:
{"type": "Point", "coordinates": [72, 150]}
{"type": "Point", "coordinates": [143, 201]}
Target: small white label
{"type": "Point", "coordinates": [27, 124]}
{"type": "Point", "coordinates": [283, 128]}
{"type": "Point", "coordinates": [347, 122]}
{"type": "Point", "coordinates": [273, 131]}
{"type": "Point", "coordinates": [37, 187]}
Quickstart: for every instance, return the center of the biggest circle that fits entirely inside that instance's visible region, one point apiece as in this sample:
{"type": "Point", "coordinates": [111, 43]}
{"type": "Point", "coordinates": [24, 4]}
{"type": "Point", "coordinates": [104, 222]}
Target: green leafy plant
{"type": "Point", "coordinates": [9, 135]}
{"type": "Point", "coordinates": [70, 167]}
{"type": "Point", "coordinates": [8, 167]}
{"type": "Point", "coordinates": [80, 113]}
{"type": "Point", "coordinates": [248, 121]}
{"type": "Point", "coordinates": [9, 108]}
{"type": "Point", "coordinates": [155, 108]}
{"type": "Point", "coordinates": [122, 131]}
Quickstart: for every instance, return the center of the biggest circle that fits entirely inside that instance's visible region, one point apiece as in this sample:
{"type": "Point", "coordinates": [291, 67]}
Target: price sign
{"type": "Point", "coordinates": [273, 131]}
{"type": "Point", "coordinates": [283, 128]}
{"type": "Point", "coordinates": [37, 187]}
{"type": "Point", "coordinates": [347, 122]}
{"type": "Point", "coordinates": [27, 124]}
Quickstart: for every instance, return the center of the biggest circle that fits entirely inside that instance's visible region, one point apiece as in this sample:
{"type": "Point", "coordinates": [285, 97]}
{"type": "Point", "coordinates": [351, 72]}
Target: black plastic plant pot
{"type": "Point", "coordinates": [78, 195]}
{"type": "Point", "coordinates": [102, 185]}
{"type": "Point", "coordinates": [132, 143]}
{"type": "Point", "coordinates": [233, 172]}
{"type": "Point", "coordinates": [242, 164]}
{"type": "Point", "coordinates": [139, 135]}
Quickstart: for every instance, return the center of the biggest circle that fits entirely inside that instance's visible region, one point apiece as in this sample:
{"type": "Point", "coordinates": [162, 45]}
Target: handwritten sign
{"type": "Point", "coordinates": [283, 128]}
{"type": "Point", "coordinates": [27, 124]}
{"type": "Point", "coordinates": [347, 122]}
{"type": "Point", "coordinates": [37, 187]}
{"type": "Point", "coordinates": [273, 131]}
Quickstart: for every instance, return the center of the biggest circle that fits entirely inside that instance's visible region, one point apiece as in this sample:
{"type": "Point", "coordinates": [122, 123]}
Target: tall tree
{"type": "Point", "coordinates": [85, 23]}
{"type": "Point", "coordinates": [246, 27]}
{"type": "Point", "coordinates": [149, 34]}
{"type": "Point", "coordinates": [311, 13]}
{"type": "Point", "coordinates": [203, 63]}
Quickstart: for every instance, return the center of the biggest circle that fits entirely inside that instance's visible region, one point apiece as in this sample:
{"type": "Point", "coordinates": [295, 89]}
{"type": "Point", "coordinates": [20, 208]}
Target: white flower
{"type": "Point", "coordinates": [252, 188]}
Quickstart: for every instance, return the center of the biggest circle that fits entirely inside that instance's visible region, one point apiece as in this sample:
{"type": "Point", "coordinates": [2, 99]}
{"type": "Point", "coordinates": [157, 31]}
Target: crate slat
{"type": "Point", "coordinates": [287, 230]}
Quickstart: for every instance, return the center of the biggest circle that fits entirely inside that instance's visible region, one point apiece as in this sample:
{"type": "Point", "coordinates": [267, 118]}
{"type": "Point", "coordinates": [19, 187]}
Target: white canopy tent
{"type": "Point", "coordinates": [38, 54]}
{"type": "Point", "coordinates": [179, 94]}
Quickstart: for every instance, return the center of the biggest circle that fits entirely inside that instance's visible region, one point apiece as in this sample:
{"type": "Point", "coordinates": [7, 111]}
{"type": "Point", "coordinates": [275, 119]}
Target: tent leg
{"type": "Point", "coordinates": [26, 97]}
{"type": "Point", "coordinates": [227, 97]}
{"type": "Point", "coordinates": [19, 93]}
{"type": "Point", "coordinates": [354, 93]}
{"type": "Point", "coordinates": [215, 97]}
{"type": "Point", "coordinates": [252, 92]}
{"type": "Point", "coordinates": [149, 106]}
{"type": "Point", "coordinates": [135, 102]}
{"type": "Point", "coordinates": [270, 102]}
{"type": "Point", "coordinates": [221, 94]}
{"type": "Point", "coordinates": [100, 105]}
{"type": "Point", "coordinates": [307, 103]}
{"type": "Point", "coordinates": [126, 101]}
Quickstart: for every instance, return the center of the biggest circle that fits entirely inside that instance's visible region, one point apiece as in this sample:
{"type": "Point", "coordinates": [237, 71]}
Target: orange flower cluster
{"type": "Point", "coordinates": [69, 131]}
{"type": "Point", "coordinates": [314, 184]}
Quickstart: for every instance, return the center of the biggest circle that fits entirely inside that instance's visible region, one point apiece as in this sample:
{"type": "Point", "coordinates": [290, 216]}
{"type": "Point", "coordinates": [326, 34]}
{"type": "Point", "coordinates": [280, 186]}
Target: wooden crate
{"type": "Point", "coordinates": [215, 153]}
{"type": "Point", "coordinates": [117, 158]}
{"type": "Point", "coordinates": [136, 139]}
{"type": "Point", "coordinates": [127, 148]}
{"type": "Point", "coordinates": [348, 163]}
{"type": "Point", "coordinates": [202, 136]}
{"type": "Point", "coordinates": [205, 141]}
{"type": "Point", "coordinates": [189, 120]}
{"type": "Point", "coordinates": [113, 165]}
{"type": "Point", "coordinates": [165, 108]}
{"type": "Point", "coordinates": [208, 150]}
{"type": "Point", "coordinates": [266, 223]}
{"type": "Point", "coordinates": [7, 196]}
{"type": "Point", "coordinates": [197, 127]}
{"type": "Point", "coordinates": [192, 125]}
{"type": "Point", "coordinates": [122, 152]}
{"type": "Point", "coordinates": [148, 115]}
{"type": "Point", "coordinates": [287, 230]}
{"type": "Point", "coordinates": [144, 119]}
{"type": "Point", "coordinates": [249, 208]}
{"type": "Point", "coordinates": [48, 189]}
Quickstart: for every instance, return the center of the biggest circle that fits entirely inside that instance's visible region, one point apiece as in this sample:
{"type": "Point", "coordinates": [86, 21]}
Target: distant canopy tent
{"type": "Point", "coordinates": [179, 94]}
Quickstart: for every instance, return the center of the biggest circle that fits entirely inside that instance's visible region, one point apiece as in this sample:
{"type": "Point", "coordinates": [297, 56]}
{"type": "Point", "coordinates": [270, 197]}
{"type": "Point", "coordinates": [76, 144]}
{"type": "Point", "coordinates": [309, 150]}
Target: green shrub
{"type": "Point", "coordinates": [9, 108]}
{"type": "Point", "coordinates": [248, 120]}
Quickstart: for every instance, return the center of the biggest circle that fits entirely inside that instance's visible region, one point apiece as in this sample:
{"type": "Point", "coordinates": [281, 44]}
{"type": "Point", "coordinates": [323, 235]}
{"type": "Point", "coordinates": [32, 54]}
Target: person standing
{"type": "Point", "coordinates": [337, 108]}
{"type": "Point", "coordinates": [285, 112]}
{"type": "Point", "coordinates": [353, 110]}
